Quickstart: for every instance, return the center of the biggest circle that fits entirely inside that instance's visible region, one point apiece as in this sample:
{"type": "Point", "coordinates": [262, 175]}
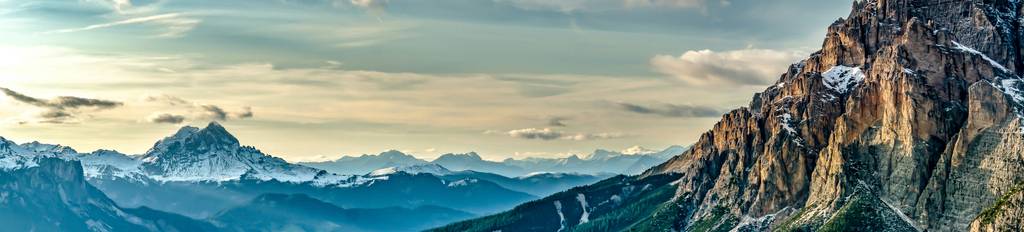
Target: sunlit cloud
{"type": "Point", "coordinates": [550, 134]}
{"type": "Point", "coordinates": [738, 67]}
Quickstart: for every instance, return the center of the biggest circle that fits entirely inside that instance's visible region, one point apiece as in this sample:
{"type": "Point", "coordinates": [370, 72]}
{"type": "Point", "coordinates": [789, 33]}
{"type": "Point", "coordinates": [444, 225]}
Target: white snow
{"type": "Point", "coordinates": [786, 119]}
{"type": "Point", "coordinates": [110, 163]}
{"type": "Point", "coordinates": [901, 215]}
{"type": "Point", "coordinates": [434, 169]}
{"type": "Point", "coordinates": [963, 48]}
{"type": "Point", "coordinates": [535, 174]}
{"type": "Point", "coordinates": [463, 182]}
{"type": "Point", "coordinates": [561, 216]}
{"type": "Point", "coordinates": [14, 156]}
{"type": "Point", "coordinates": [585, 217]}
{"type": "Point", "coordinates": [1009, 86]}
{"type": "Point", "coordinates": [842, 78]}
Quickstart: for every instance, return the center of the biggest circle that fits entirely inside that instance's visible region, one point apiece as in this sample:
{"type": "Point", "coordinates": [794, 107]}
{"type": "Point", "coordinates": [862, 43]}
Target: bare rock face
{"type": "Point", "coordinates": [908, 117]}
{"type": "Point", "coordinates": [1007, 214]}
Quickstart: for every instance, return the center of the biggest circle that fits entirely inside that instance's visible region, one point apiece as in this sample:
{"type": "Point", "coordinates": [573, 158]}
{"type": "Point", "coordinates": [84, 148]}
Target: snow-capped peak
{"type": "Point", "coordinates": [213, 154]}
{"type": "Point", "coordinates": [13, 156]}
{"type": "Point", "coordinates": [434, 169]}
{"type": "Point", "coordinates": [38, 147]}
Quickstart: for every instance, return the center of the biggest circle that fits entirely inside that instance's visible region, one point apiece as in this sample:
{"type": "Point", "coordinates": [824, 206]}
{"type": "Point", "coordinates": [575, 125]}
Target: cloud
{"type": "Point", "coordinates": [670, 3]}
{"type": "Point", "coordinates": [170, 100]}
{"type": "Point", "coordinates": [534, 133]}
{"type": "Point", "coordinates": [214, 112]}
{"type": "Point", "coordinates": [201, 110]}
{"type": "Point", "coordinates": [738, 67]}
{"type": "Point", "coordinates": [557, 121]}
{"type": "Point", "coordinates": [175, 24]}
{"type": "Point", "coordinates": [369, 3]}
{"type": "Point", "coordinates": [166, 118]}
{"type": "Point", "coordinates": [569, 6]}
{"type": "Point", "coordinates": [61, 109]}
{"type": "Point", "coordinates": [246, 113]}
{"type": "Point", "coordinates": [62, 102]}
{"type": "Point", "coordinates": [671, 110]}
{"type": "Point", "coordinates": [549, 134]}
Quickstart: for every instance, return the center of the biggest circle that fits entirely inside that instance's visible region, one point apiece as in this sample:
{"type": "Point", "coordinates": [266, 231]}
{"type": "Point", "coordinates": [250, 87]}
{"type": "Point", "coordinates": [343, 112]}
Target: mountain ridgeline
{"type": "Point", "coordinates": [202, 179]}
{"type": "Point", "coordinates": [631, 161]}
{"type": "Point", "coordinates": [907, 119]}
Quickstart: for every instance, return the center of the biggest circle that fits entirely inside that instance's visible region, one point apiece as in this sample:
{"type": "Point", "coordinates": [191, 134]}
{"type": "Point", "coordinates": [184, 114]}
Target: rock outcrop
{"type": "Point", "coordinates": [907, 119]}
{"type": "Point", "coordinates": [911, 105]}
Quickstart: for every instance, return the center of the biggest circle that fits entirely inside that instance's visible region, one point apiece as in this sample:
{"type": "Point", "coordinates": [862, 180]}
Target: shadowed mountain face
{"type": "Point", "coordinates": [47, 192]}
{"type": "Point", "coordinates": [908, 118]}
{"type": "Point", "coordinates": [277, 212]}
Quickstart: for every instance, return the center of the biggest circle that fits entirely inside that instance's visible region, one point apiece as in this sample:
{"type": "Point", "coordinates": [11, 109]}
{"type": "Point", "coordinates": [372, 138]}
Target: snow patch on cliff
{"type": "Point", "coordinates": [842, 78]}
{"type": "Point", "coordinates": [995, 64]}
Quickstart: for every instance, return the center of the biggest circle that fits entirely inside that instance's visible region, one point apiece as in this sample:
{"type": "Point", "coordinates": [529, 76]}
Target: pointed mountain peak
{"type": "Point", "coordinates": [215, 131]}
{"type": "Point", "coordinates": [214, 136]}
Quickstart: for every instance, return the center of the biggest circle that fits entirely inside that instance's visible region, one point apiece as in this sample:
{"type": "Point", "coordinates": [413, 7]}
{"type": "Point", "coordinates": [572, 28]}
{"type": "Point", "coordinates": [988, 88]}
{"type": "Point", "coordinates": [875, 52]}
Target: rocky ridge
{"type": "Point", "coordinates": [911, 111]}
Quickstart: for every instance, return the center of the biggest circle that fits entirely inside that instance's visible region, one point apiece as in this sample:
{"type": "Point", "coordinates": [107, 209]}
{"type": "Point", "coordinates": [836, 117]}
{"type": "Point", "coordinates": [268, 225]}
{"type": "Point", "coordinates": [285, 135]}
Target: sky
{"type": "Point", "coordinates": [318, 79]}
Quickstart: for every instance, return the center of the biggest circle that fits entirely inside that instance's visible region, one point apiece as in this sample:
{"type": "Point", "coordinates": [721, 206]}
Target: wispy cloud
{"type": "Point", "coordinates": [550, 134]}
{"type": "Point", "coordinates": [175, 24]}
{"type": "Point", "coordinates": [199, 110]}
{"type": "Point", "coordinates": [671, 110]}
{"type": "Point", "coordinates": [61, 109]}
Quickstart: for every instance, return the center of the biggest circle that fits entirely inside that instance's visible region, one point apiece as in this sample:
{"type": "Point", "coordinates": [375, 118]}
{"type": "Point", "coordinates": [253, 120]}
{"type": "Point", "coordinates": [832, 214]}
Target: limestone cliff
{"type": "Point", "coordinates": [910, 108]}
{"type": "Point", "coordinates": [907, 119]}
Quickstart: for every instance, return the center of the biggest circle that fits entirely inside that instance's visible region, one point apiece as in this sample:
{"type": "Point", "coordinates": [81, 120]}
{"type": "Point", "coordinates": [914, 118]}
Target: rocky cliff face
{"type": "Point", "coordinates": [52, 195]}
{"type": "Point", "coordinates": [910, 111]}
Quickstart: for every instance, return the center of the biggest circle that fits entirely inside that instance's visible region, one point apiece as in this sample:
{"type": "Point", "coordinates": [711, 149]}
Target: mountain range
{"type": "Point", "coordinates": [202, 179]}
{"type": "Point", "coordinates": [909, 118]}
{"type": "Point", "coordinates": [630, 161]}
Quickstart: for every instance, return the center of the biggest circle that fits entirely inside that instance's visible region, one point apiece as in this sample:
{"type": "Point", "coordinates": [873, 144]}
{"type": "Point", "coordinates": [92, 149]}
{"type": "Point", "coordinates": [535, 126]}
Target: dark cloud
{"type": "Point", "coordinates": [61, 109]}
{"type": "Point", "coordinates": [55, 114]}
{"type": "Point", "coordinates": [671, 110]}
{"type": "Point", "coordinates": [246, 113]}
{"type": "Point", "coordinates": [167, 118]}
{"type": "Point", "coordinates": [557, 121]}
{"type": "Point", "coordinates": [62, 102]}
{"type": "Point", "coordinates": [214, 112]}
{"type": "Point", "coordinates": [203, 111]}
